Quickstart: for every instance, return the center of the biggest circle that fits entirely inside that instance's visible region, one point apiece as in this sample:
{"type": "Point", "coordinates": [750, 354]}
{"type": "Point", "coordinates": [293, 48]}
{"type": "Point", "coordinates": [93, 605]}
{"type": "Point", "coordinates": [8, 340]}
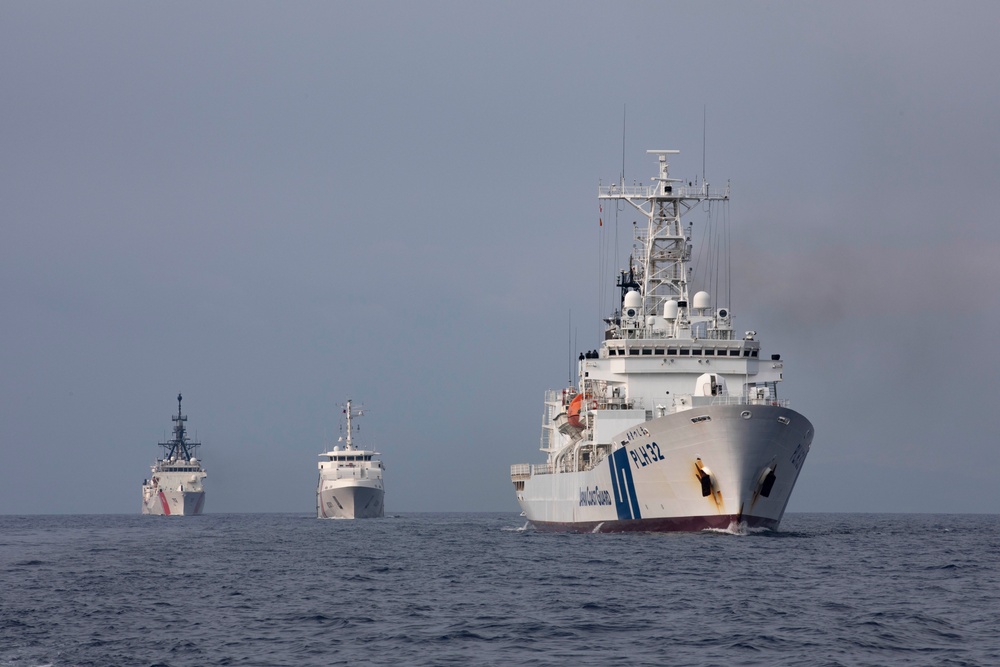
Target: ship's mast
{"type": "Point", "coordinates": [350, 412]}
{"type": "Point", "coordinates": [180, 447]}
{"type": "Point", "coordinates": [665, 246]}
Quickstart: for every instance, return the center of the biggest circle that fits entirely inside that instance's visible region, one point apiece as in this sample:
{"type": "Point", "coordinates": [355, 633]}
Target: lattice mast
{"type": "Point", "coordinates": [664, 245]}
{"type": "Point", "coordinates": [180, 447]}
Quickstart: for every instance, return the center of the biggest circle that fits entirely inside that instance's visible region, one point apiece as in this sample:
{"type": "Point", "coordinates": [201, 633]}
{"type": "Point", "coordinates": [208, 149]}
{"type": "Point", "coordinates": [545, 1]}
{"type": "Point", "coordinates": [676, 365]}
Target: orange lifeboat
{"type": "Point", "coordinates": [573, 414]}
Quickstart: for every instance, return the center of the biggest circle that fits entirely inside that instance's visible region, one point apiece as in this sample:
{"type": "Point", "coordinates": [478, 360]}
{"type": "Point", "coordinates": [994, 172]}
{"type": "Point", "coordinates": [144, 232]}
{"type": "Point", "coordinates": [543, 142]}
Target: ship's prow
{"type": "Point", "coordinates": [174, 502]}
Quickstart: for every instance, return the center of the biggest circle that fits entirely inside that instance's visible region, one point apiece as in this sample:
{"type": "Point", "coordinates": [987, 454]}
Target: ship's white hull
{"type": "Point", "coordinates": [350, 499]}
{"type": "Point", "coordinates": [167, 502]}
{"type": "Point", "coordinates": [655, 481]}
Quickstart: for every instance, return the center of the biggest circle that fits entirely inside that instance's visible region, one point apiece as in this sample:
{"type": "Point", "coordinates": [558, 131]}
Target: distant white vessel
{"type": "Point", "coordinates": [350, 480]}
{"type": "Point", "coordinates": [675, 422]}
{"type": "Point", "coordinates": [175, 486]}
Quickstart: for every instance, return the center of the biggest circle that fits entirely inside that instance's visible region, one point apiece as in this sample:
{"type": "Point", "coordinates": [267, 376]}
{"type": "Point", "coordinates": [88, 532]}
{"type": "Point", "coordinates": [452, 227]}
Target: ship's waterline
{"type": "Point", "coordinates": [351, 501]}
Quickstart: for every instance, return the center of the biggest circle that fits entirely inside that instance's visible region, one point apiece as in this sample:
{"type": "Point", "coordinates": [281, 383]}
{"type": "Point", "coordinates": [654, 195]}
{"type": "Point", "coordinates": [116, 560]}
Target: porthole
{"type": "Point", "coordinates": [746, 414]}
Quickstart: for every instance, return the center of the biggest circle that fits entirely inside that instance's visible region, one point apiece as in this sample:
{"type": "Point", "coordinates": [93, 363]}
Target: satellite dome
{"type": "Point", "coordinates": [701, 300]}
{"type": "Point", "coordinates": [670, 309]}
{"type": "Point", "coordinates": [632, 304]}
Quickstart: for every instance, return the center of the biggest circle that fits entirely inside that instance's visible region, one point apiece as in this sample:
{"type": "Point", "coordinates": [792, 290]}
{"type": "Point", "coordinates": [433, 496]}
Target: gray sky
{"type": "Point", "coordinates": [273, 207]}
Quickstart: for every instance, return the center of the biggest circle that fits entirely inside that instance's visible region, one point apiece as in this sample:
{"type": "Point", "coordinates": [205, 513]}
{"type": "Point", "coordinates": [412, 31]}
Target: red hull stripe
{"type": "Point", "coordinates": [163, 502]}
{"type": "Point", "coordinates": [660, 525]}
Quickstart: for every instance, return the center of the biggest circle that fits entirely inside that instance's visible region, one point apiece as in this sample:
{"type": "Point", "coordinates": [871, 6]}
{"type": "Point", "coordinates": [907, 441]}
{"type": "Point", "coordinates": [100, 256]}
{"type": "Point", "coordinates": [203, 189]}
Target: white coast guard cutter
{"type": "Point", "coordinates": [176, 483]}
{"type": "Point", "coordinates": [675, 421]}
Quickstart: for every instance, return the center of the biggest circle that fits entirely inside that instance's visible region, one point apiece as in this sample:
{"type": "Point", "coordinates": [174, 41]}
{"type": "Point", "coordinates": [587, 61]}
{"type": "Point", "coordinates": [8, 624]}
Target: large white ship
{"type": "Point", "coordinates": [350, 480]}
{"type": "Point", "coordinates": [176, 483]}
{"type": "Point", "coordinates": [675, 423]}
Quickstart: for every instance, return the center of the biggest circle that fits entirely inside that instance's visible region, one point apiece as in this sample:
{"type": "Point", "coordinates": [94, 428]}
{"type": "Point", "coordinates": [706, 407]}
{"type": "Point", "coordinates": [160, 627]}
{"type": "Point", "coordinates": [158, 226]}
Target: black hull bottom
{"type": "Point", "coordinates": [680, 524]}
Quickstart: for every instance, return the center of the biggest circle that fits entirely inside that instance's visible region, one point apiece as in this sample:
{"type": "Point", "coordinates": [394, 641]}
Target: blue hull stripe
{"type": "Point", "coordinates": [624, 488]}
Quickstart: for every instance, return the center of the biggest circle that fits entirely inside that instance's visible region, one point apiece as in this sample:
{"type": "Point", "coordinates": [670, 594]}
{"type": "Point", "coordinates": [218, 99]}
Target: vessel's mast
{"type": "Point", "coordinates": [179, 447]}
{"type": "Point", "coordinates": [351, 413]}
{"type": "Point", "coordinates": [665, 246]}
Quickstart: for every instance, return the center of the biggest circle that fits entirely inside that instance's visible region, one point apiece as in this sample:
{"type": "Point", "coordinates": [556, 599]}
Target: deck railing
{"type": "Point", "coordinates": [520, 470]}
{"type": "Point", "coordinates": [744, 400]}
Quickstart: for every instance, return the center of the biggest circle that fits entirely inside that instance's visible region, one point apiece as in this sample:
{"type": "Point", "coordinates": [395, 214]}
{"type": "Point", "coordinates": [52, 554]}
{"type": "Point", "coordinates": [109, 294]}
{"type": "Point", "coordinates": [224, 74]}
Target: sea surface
{"type": "Point", "coordinates": [481, 589]}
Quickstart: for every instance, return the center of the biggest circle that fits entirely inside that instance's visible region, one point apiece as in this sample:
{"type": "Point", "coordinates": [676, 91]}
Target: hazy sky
{"type": "Point", "coordinates": [273, 207]}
